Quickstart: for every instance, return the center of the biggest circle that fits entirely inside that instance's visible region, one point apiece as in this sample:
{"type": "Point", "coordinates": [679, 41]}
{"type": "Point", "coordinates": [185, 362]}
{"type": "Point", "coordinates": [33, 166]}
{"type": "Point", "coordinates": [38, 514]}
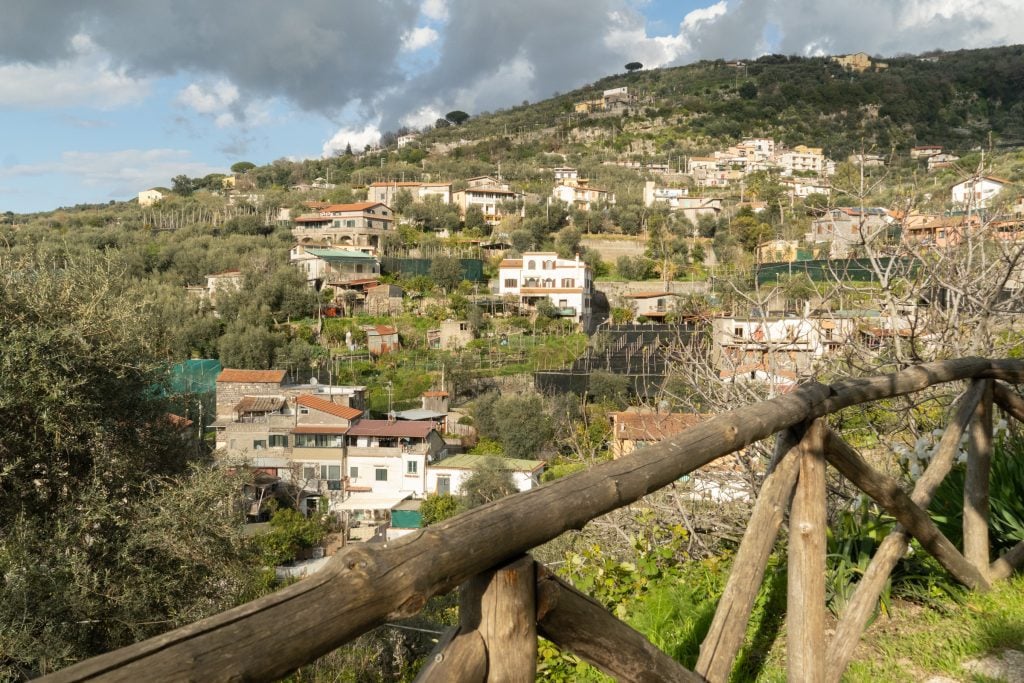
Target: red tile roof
{"type": "Point", "coordinates": [434, 394]}
{"type": "Point", "coordinates": [251, 376]}
{"type": "Point", "coordinates": [324, 406]}
{"type": "Point", "coordinates": [380, 329]}
{"type": "Point", "coordinates": [409, 428]}
{"type": "Point", "coordinates": [358, 206]}
{"type": "Point", "coordinates": [511, 263]}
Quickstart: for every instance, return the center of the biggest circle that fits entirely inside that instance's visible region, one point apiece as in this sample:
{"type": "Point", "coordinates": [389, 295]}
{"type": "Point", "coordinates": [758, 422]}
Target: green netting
{"type": "Point", "coordinates": [197, 376]}
{"type": "Point", "coordinates": [823, 270]}
{"type": "Point", "coordinates": [472, 268]}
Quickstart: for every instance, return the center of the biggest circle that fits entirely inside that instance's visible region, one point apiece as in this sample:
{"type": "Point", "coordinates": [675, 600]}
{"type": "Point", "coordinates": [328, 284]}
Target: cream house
{"type": "Point", "coordinates": [566, 283]}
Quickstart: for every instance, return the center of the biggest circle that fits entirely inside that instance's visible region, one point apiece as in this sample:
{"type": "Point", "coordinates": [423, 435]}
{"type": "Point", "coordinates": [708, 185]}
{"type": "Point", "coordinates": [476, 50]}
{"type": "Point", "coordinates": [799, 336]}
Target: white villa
{"type": "Point", "coordinates": [567, 283]}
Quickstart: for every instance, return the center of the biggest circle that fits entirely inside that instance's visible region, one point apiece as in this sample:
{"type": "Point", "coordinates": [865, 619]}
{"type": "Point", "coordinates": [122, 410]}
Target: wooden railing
{"type": "Point", "coordinates": [507, 599]}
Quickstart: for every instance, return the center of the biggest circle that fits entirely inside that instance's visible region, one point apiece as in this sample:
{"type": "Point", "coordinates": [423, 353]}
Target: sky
{"type": "Point", "coordinates": [100, 99]}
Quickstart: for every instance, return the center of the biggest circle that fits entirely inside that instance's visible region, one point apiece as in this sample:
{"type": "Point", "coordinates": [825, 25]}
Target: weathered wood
{"type": "Point", "coordinates": [581, 625]}
{"type": "Point", "coordinates": [361, 587]}
{"type": "Point", "coordinates": [976, 483]}
{"type": "Point", "coordinates": [862, 605]}
{"type": "Point", "coordinates": [1009, 400]}
{"type": "Point", "coordinates": [502, 606]}
{"type": "Point", "coordinates": [1007, 564]}
{"type": "Point", "coordinates": [1008, 370]}
{"type": "Point", "coordinates": [725, 635]}
{"type": "Point", "coordinates": [808, 525]}
{"type": "Point", "coordinates": [458, 657]}
{"type": "Point", "coordinates": [887, 493]}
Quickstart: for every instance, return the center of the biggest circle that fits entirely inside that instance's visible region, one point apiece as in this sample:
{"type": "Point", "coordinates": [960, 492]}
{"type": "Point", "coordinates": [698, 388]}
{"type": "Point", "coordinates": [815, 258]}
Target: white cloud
{"type": "Point", "coordinates": [85, 79]}
{"type": "Point", "coordinates": [213, 98]}
{"type": "Point", "coordinates": [419, 38]}
{"type": "Point", "coordinates": [426, 115]}
{"type": "Point", "coordinates": [359, 139]}
{"type": "Point", "coordinates": [435, 9]}
{"type": "Point", "coordinates": [120, 172]}
{"type": "Point", "coordinates": [222, 101]}
{"type": "Point", "coordinates": [693, 20]}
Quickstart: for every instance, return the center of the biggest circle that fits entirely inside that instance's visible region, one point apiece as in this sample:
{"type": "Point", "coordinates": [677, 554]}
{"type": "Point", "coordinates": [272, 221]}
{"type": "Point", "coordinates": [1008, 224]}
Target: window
{"type": "Point", "coordinates": [353, 472]}
{"type": "Point", "coordinates": [511, 282]}
{"type": "Point", "coordinates": [568, 282]}
{"type": "Point", "coordinates": [303, 410]}
{"type": "Point", "coordinates": [381, 474]}
{"type": "Point", "coordinates": [411, 467]}
{"type": "Point", "coordinates": [531, 265]}
{"type": "Point", "coordinates": [309, 472]}
{"type": "Point", "coordinates": [318, 441]}
{"type": "Point", "coordinates": [563, 303]}
{"type": "Point", "coordinates": [278, 440]}
{"type": "Point", "coordinates": [330, 472]}
{"type": "Point", "coordinates": [737, 331]}
{"type": "Point", "coordinates": [350, 224]}
{"type": "Point", "coordinates": [359, 267]}
{"type": "Point", "coordinates": [259, 444]}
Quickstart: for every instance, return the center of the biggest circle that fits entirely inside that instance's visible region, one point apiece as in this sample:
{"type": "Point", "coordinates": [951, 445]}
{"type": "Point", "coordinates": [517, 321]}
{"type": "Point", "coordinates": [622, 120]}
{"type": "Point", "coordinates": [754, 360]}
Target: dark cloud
{"type": "Point", "coordinates": [320, 54]}
{"type": "Point", "coordinates": [325, 54]}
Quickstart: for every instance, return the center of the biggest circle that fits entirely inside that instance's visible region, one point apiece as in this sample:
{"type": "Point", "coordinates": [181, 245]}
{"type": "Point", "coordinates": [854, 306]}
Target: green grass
{"type": "Point", "coordinates": [917, 642]}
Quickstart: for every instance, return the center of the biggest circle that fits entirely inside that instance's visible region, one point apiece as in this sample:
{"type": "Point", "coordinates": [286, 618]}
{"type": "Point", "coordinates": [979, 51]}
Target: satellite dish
{"type": "Point", "coordinates": [313, 381]}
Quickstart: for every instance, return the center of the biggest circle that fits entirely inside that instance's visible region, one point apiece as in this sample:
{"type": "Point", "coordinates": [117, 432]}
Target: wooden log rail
{"type": "Point", "coordinates": [507, 599]}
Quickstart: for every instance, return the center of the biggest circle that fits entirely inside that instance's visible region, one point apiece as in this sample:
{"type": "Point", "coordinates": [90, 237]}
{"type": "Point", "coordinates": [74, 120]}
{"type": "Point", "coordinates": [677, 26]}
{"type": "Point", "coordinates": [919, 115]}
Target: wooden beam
{"type": "Point", "coordinates": [1009, 400]}
{"type": "Point", "coordinates": [887, 493]}
{"type": "Point", "coordinates": [458, 657]}
{"type": "Point", "coordinates": [363, 586]}
{"type": "Point", "coordinates": [862, 605]}
{"type": "Point", "coordinates": [976, 484]}
{"type": "Point", "coordinates": [729, 626]}
{"type": "Point", "coordinates": [581, 625]}
{"type": "Point", "coordinates": [808, 525]}
{"type": "Point", "coordinates": [501, 605]}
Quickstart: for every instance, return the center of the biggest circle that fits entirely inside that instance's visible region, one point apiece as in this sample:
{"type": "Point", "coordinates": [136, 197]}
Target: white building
{"type": "Point", "coordinates": [581, 196]}
{"type": "Point", "coordinates": [977, 192]}
{"type": "Point", "coordinates": [802, 159]}
{"type": "Point", "coordinates": [385, 192]}
{"type": "Point", "coordinates": [566, 175]}
{"type": "Point", "coordinates": [448, 475]}
{"type": "Point", "coordinates": [150, 197]}
{"type": "Point", "coordinates": [566, 283]}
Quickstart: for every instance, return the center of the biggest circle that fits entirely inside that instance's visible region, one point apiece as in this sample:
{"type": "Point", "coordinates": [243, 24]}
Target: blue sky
{"type": "Point", "coordinates": [120, 96]}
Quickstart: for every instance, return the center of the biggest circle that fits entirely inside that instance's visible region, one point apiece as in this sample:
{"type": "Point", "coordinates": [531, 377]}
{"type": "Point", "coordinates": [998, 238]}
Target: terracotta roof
{"type": "Point", "coordinates": [434, 394]}
{"type": "Point", "coordinates": [387, 428]}
{"type": "Point", "coordinates": [259, 404]}
{"type": "Point", "coordinates": [511, 263]}
{"type": "Point", "coordinates": [324, 406]}
{"type": "Point", "coordinates": [319, 429]}
{"type": "Point", "coordinates": [381, 183]}
{"type": "Point", "coordinates": [651, 426]}
{"type": "Point", "coordinates": [358, 206]}
{"type": "Point", "coordinates": [648, 295]}
{"type": "Point", "coordinates": [253, 376]}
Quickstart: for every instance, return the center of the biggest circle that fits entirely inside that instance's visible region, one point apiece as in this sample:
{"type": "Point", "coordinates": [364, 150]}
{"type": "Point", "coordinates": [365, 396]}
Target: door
{"type": "Point", "coordinates": [444, 485]}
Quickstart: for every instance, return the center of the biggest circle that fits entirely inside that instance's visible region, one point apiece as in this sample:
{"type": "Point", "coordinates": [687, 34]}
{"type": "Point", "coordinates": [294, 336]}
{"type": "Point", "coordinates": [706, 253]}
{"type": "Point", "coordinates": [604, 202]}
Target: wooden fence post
{"type": "Point", "coordinates": [501, 605]}
{"type": "Point", "coordinates": [860, 608]}
{"type": "Point", "coordinates": [976, 484]}
{"type": "Point", "coordinates": [725, 635]}
{"type": "Point", "coordinates": [805, 610]}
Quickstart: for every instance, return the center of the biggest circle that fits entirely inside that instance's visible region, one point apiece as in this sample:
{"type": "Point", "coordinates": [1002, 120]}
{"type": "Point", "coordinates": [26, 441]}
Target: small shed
{"type": "Point", "coordinates": [381, 339]}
